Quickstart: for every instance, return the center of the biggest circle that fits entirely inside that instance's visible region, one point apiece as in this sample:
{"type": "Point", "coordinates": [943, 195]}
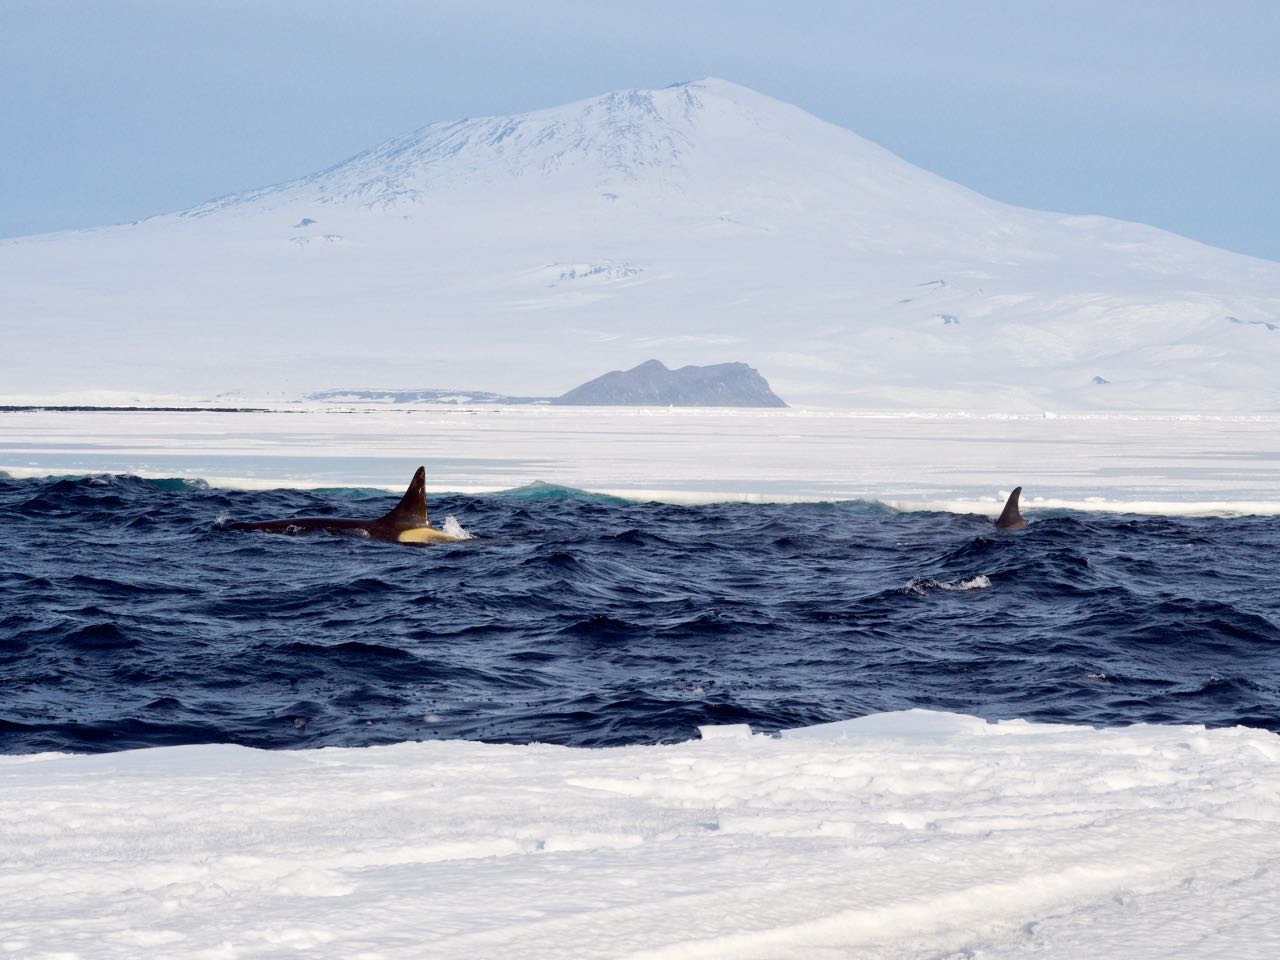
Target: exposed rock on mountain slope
{"type": "Point", "coordinates": [652, 384]}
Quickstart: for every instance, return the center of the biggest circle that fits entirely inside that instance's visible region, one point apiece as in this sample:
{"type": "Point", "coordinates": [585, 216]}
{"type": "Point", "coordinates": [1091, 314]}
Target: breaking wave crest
{"type": "Point", "coordinates": [922, 586]}
{"type": "Point", "coordinates": [453, 528]}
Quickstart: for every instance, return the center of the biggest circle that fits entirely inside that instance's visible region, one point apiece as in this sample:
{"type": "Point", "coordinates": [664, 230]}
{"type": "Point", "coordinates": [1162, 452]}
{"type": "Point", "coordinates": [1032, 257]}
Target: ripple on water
{"type": "Point", "coordinates": [580, 619]}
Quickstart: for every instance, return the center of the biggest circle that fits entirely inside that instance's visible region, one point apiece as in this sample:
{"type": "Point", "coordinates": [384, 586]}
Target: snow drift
{"type": "Point", "coordinates": [900, 835]}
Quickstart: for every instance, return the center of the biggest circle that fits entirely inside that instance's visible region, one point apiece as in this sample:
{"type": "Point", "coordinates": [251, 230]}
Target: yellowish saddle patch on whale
{"type": "Point", "coordinates": [426, 535]}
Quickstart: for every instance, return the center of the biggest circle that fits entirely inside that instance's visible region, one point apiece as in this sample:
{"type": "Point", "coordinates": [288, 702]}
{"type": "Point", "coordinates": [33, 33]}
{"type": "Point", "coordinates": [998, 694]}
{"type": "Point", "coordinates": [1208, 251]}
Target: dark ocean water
{"type": "Point", "coordinates": [128, 619]}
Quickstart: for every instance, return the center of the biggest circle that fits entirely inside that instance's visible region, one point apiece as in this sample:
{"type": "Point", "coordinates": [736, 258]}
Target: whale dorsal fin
{"type": "Point", "coordinates": [411, 511]}
{"type": "Point", "coordinates": [1011, 519]}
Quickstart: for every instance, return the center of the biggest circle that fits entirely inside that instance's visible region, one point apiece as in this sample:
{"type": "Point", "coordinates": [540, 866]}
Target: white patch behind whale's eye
{"type": "Point", "coordinates": [454, 529]}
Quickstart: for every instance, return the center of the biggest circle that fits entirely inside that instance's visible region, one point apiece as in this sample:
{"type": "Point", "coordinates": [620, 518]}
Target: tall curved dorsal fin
{"type": "Point", "coordinates": [411, 511]}
{"type": "Point", "coordinates": [1011, 519]}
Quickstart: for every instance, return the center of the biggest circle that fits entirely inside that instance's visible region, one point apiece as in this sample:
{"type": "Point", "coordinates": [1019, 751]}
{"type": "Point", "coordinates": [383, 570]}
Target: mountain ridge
{"type": "Point", "coordinates": [628, 146]}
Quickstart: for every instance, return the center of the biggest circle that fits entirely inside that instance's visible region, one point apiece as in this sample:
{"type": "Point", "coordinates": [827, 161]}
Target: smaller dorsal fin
{"type": "Point", "coordinates": [411, 511]}
{"type": "Point", "coordinates": [1011, 519]}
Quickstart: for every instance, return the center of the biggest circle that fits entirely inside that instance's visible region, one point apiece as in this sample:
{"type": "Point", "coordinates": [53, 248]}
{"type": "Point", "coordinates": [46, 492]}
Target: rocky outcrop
{"type": "Point", "coordinates": [653, 384]}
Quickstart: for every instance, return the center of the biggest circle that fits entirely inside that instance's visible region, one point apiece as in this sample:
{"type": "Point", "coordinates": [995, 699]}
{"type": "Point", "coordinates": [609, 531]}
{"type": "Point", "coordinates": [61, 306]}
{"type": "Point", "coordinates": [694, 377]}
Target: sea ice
{"type": "Point", "coordinates": [956, 462]}
{"type": "Point", "coordinates": [897, 836]}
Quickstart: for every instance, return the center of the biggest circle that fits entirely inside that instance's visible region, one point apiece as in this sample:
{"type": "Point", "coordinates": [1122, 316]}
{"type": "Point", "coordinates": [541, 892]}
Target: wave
{"type": "Point", "coordinates": [342, 493]}
{"type": "Point", "coordinates": [1036, 508]}
{"type": "Point", "coordinates": [923, 585]}
{"type": "Point", "coordinates": [540, 490]}
{"type": "Point", "coordinates": [127, 618]}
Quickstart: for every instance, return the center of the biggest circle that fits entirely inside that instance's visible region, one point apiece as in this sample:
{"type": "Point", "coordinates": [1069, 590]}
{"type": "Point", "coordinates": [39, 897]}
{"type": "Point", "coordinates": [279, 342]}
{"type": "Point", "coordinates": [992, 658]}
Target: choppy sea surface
{"type": "Point", "coordinates": [129, 619]}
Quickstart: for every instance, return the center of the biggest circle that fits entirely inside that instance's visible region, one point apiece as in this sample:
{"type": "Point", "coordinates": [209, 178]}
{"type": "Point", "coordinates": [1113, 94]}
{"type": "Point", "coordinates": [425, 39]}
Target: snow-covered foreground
{"type": "Point", "coordinates": [1155, 465]}
{"type": "Point", "coordinates": [900, 835]}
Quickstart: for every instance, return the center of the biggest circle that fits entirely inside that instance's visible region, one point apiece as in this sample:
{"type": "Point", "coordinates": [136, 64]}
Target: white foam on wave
{"type": "Point", "coordinates": [455, 529]}
{"type": "Point", "coordinates": [923, 585]}
{"type": "Point", "coordinates": [980, 582]}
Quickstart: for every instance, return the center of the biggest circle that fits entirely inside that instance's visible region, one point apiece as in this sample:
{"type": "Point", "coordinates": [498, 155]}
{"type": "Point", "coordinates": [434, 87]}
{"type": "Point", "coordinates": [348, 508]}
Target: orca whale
{"type": "Point", "coordinates": [1011, 519]}
{"type": "Point", "coordinates": [407, 523]}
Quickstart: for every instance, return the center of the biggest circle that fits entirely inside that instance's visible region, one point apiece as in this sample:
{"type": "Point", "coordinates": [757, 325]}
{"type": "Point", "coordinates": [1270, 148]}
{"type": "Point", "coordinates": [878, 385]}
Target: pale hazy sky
{"type": "Point", "coordinates": [1161, 111]}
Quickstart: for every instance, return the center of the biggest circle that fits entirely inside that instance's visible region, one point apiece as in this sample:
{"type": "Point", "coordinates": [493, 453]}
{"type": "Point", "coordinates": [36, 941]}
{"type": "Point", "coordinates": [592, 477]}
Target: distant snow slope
{"type": "Point", "coordinates": [906, 835]}
{"type": "Point", "coordinates": [700, 223]}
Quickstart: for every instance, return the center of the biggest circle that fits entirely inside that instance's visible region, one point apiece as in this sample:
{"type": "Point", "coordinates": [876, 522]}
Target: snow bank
{"type": "Point", "coordinates": [901, 835]}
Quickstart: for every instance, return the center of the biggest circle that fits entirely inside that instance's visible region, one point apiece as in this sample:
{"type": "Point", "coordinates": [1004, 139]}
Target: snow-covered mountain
{"type": "Point", "coordinates": [700, 223]}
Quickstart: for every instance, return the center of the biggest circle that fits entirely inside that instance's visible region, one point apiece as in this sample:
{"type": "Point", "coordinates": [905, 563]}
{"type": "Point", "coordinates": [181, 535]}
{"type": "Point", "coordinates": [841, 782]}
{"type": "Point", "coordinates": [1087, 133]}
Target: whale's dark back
{"type": "Point", "coordinates": [409, 514]}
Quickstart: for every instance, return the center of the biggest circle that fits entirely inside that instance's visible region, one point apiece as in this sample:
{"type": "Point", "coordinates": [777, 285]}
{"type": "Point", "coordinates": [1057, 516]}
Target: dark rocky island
{"type": "Point", "coordinates": [652, 384]}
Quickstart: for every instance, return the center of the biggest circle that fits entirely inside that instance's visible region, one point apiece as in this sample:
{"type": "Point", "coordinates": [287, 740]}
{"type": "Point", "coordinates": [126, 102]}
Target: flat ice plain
{"type": "Point", "coordinates": [1155, 464]}
{"type": "Point", "coordinates": [904, 835]}
{"type": "Point", "coordinates": [898, 835]}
